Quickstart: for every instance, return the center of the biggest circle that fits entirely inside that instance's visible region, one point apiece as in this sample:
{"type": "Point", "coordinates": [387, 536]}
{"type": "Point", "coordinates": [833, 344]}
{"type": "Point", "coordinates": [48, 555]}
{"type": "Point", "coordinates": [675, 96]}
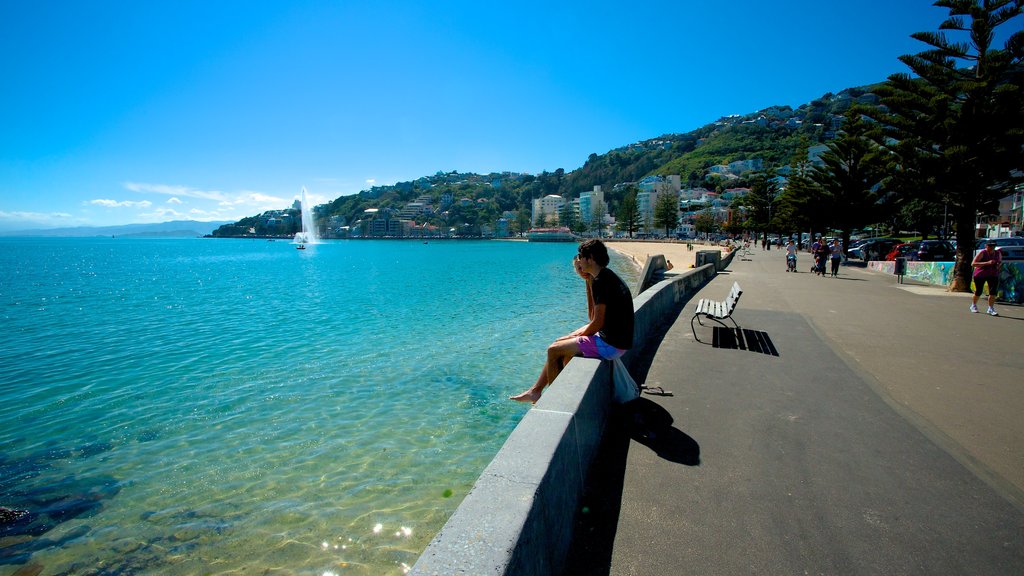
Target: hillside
{"type": "Point", "coordinates": [776, 135]}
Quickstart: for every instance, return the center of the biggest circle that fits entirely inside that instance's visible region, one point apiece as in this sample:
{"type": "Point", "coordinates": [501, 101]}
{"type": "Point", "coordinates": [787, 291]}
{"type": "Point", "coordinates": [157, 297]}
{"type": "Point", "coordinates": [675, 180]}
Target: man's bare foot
{"type": "Point", "coordinates": [528, 396]}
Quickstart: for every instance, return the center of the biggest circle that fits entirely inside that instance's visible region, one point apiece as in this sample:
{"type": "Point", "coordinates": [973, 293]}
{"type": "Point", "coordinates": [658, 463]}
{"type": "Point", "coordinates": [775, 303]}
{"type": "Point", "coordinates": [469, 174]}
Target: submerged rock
{"type": "Point", "coordinates": [11, 515]}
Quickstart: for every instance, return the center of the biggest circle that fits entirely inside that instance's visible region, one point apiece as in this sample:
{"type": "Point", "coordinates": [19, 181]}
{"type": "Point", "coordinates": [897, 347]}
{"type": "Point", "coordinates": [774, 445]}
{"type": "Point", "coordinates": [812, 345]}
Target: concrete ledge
{"type": "Point", "coordinates": [518, 517]}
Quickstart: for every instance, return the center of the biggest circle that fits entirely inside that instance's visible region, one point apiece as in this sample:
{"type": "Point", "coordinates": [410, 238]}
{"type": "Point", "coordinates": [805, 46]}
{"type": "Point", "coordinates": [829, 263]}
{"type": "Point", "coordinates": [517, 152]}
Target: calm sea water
{"type": "Point", "coordinates": [238, 407]}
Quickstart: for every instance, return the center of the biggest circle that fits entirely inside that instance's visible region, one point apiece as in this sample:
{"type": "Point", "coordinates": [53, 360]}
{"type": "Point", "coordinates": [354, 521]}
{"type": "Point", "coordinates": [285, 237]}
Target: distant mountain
{"type": "Point", "coordinates": [175, 229]}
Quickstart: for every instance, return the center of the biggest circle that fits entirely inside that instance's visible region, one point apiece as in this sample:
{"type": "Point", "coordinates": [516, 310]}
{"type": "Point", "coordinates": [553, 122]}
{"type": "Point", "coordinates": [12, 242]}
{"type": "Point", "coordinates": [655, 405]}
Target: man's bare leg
{"type": "Point", "coordinates": [559, 352]}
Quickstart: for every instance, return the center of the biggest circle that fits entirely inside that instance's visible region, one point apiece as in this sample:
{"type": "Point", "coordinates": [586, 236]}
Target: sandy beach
{"type": "Point", "coordinates": [674, 252]}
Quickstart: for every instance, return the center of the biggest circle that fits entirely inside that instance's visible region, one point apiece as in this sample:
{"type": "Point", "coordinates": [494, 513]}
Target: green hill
{"type": "Point", "coordinates": [776, 135]}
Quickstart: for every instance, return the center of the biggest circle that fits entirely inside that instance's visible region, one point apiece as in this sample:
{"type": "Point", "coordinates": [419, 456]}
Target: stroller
{"type": "Point", "coordinates": [791, 263]}
{"type": "Point", "coordinates": [819, 264]}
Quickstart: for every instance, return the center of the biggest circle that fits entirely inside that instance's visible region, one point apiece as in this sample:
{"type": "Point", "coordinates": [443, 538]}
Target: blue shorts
{"type": "Point", "coordinates": [595, 347]}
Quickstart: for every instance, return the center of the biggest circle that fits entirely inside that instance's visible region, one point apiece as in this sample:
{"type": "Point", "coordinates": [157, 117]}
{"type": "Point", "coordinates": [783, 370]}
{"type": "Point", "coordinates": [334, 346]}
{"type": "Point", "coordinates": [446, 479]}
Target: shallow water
{"type": "Point", "coordinates": [238, 406]}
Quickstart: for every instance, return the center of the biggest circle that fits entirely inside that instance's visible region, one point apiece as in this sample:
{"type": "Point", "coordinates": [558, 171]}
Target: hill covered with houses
{"type": "Point", "coordinates": [707, 168]}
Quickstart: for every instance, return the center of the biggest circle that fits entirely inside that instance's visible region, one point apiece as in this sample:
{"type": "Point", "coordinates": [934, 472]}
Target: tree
{"type": "Point", "coordinates": [705, 221]}
{"type": "Point", "coordinates": [666, 212]}
{"type": "Point", "coordinates": [798, 204]}
{"type": "Point", "coordinates": [523, 219]}
{"type": "Point", "coordinates": [960, 122]}
{"type": "Point", "coordinates": [850, 179]}
{"type": "Point", "coordinates": [627, 218]}
{"type": "Point", "coordinates": [597, 217]}
{"type": "Point", "coordinates": [567, 217]}
{"type": "Point", "coordinates": [759, 202]}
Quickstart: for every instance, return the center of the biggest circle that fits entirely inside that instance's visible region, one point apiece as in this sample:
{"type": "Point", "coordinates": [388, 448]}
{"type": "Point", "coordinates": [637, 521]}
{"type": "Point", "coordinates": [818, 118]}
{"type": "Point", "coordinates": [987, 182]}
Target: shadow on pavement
{"type": "Point", "coordinates": [597, 519]}
{"type": "Point", "coordinates": [649, 424]}
{"type": "Point", "coordinates": [742, 339]}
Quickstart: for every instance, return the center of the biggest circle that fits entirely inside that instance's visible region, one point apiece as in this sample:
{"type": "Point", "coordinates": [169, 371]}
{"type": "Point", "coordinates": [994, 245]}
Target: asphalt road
{"type": "Point", "coordinates": [885, 437]}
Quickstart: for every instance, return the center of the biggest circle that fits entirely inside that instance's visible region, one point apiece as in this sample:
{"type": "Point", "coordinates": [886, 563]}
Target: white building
{"type": "Point", "coordinates": [661, 184]}
{"type": "Point", "coordinates": [589, 201]}
{"type": "Point", "coordinates": [548, 207]}
{"type": "Point", "coordinates": [814, 155]}
{"type": "Point", "coordinates": [645, 202]}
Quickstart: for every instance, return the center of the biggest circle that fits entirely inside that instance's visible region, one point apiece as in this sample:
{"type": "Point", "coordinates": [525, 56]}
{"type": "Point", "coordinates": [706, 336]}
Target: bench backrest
{"type": "Point", "coordinates": [734, 297]}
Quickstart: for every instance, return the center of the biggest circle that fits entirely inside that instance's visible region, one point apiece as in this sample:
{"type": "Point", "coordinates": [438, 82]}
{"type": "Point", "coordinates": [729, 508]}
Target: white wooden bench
{"type": "Point", "coordinates": [717, 311]}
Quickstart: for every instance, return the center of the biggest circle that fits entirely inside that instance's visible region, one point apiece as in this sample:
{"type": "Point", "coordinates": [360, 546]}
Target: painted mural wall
{"type": "Point", "coordinates": [1011, 279]}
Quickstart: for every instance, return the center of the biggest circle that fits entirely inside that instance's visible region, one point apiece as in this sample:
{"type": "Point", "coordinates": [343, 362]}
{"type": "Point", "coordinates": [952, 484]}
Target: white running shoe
{"type": "Point", "coordinates": [974, 308]}
{"type": "Point", "coordinates": [992, 311]}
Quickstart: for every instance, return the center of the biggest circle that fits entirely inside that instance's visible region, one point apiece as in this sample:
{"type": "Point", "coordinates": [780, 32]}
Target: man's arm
{"type": "Point", "coordinates": [590, 299]}
{"type": "Point", "coordinates": [596, 323]}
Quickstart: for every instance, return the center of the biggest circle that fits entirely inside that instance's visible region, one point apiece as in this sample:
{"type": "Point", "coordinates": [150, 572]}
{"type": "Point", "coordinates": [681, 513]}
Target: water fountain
{"type": "Point", "coordinates": [308, 233]}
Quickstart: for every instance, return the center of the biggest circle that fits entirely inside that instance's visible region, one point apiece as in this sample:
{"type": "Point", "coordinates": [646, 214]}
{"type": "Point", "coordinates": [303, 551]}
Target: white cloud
{"type": "Point", "coordinates": [162, 214]}
{"type": "Point", "coordinates": [42, 217]}
{"type": "Point", "coordinates": [371, 181]}
{"type": "Point", "coordinates": [261, 198]}
{"type": "Point", "coordinates": [172, 190]}
{"type": "Point", "coordinates": [212, 204]}
{"type": "Point", "coordinates": [120, 204]}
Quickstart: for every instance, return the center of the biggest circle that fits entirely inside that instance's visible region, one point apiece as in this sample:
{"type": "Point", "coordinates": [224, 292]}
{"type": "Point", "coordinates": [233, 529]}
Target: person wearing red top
{"type": "Point", "coordinates": [986, 271]}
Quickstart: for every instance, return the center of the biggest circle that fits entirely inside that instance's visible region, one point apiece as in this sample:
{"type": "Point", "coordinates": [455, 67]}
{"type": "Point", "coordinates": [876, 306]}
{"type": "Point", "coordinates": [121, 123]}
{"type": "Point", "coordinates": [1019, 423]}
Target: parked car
{"type": "Point", "coordinates": [935, 251]}
{"type": "Point", "coordinates": [1012, 252]}
{"type": "Point", "coordinates": [1001, 243]}
{"type": "Point", "coordinates": [853, 250]}
{"type": "Point", "coordinates": [906, 250]}
{"type": "Point", "coordinates": [877, 248]}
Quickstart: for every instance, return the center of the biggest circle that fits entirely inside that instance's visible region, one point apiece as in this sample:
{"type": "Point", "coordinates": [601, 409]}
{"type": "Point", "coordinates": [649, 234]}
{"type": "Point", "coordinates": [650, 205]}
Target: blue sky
{"type": "Point", "coordinates": [125, 112]}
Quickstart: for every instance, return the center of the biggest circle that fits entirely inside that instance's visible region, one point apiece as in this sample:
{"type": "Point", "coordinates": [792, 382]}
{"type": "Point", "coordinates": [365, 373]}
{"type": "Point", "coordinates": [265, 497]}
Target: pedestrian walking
{"type": "Point", "coordinates": [987, 265]}
{"type": "Point", "coordinates": [836, 256]}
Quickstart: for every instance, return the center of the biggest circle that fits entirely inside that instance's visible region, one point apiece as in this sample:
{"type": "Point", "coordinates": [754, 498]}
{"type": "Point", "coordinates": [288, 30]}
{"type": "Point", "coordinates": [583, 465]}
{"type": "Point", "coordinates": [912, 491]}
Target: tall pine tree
{"type": "Point", "coordinates": [850, 180]}
{"type": "Point", "coordinates": [960, 121]}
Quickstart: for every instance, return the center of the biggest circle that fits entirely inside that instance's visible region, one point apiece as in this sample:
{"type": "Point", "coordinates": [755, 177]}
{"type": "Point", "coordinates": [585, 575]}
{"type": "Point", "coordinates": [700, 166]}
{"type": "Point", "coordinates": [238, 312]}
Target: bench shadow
{"type": "Point", "coordinates": [741, 339]}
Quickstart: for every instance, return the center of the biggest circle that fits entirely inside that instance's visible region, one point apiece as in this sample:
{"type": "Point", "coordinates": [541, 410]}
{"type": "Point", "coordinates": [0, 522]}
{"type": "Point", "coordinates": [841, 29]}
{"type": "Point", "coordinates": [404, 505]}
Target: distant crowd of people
{"type": "Point", "coordinates": [827, 257]}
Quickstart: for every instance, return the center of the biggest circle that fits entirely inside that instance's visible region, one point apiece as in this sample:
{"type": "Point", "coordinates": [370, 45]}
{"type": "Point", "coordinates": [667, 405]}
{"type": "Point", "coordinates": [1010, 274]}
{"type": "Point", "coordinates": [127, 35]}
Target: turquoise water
{"type": "Point", "coordinates": [197, 406]}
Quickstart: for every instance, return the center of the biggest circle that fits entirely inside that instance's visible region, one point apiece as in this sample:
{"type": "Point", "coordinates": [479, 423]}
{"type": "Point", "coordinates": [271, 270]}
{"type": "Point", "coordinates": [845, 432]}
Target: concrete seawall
{"type": "Point", "coordinates": [518, 517]}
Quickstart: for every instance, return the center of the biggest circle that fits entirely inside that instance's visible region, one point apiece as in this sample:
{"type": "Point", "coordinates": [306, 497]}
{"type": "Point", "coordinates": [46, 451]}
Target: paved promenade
{"type": "Point", "coordinates": [886, 437]}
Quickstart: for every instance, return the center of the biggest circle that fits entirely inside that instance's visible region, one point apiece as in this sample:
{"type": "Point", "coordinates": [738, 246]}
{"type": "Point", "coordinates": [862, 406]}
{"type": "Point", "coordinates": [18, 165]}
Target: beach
{"type": "Point", "coordinates": [675, 252]}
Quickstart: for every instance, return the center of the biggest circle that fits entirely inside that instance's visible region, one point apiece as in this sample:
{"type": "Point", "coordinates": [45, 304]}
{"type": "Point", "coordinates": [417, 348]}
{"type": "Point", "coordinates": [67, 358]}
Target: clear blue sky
{"type": "Point", "coordinates": [124, 112]}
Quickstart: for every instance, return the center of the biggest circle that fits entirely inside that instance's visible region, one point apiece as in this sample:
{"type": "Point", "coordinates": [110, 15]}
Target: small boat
{"type": "Point", "coordinates": [300, 247]}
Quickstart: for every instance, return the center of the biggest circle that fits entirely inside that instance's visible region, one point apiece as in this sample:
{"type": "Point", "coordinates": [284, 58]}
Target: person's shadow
{"type": "Point", "coordinates": [646, 422]}
{"type": "Point", "coordinates": [651, 425]}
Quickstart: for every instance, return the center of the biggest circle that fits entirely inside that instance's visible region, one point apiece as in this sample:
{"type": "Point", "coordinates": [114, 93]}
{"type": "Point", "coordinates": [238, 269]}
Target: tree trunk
{"type": "Point", "coordinates": [965, 240]}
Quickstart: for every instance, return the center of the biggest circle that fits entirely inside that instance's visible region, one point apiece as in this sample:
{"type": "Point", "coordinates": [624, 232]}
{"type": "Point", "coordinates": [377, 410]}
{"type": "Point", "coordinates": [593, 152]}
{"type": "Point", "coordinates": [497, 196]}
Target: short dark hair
{"type": "Point", "coordinates": [595, 250]}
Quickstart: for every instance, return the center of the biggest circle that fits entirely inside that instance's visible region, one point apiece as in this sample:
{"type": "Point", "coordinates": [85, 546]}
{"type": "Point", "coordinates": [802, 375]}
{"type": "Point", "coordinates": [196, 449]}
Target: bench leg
{"type": "Point", "coordinates": [713, 319]}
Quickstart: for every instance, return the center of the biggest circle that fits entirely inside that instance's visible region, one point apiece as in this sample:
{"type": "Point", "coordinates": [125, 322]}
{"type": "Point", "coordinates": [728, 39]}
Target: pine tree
{"type": "Point", "coordinates": [798, 206]}
{"type": "Point", "coordinates": [849, 182]}
{"type": "Point", "coordinates": [627, 218]}
{"type": "Point", "coordinates": [666, 212]}
{"type": "Point", "coordinates": [759, 203]}
{"type": "Point", "coordinates": [960, 121]}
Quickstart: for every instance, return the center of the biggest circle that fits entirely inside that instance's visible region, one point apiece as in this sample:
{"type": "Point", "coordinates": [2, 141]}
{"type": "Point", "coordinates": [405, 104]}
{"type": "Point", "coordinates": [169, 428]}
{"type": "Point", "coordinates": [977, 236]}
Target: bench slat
{"type": "Point", "coordinates": [719, 310]}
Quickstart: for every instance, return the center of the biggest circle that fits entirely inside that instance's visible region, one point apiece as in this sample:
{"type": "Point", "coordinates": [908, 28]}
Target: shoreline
{"type": "Point", "coordinates": [675, 252]}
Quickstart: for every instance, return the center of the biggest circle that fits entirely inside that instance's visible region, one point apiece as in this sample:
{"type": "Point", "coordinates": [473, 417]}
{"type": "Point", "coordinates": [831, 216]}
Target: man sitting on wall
{"type": "Point", "coordinates": [610, 331]}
